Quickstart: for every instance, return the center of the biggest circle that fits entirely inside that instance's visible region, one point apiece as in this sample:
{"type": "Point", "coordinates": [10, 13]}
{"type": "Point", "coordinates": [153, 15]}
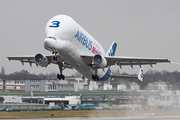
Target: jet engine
{"type": "Point", "coordinates": [100, 61]}
{"type": "Point", "coordinates": [41, 60]}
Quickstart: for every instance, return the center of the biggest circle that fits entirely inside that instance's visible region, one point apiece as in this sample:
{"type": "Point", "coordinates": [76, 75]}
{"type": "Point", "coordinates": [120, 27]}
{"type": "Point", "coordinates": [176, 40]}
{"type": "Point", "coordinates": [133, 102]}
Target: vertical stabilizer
{"type": "Point", "coordinates": [112, 49]}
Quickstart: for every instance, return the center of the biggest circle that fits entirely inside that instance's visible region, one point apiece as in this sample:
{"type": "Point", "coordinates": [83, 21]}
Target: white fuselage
{"type": "Point", "coordinates": [72, 41]}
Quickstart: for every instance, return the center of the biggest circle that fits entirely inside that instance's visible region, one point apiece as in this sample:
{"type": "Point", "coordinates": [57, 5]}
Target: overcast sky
{"type": "Point", "coordinates": [141, 28]}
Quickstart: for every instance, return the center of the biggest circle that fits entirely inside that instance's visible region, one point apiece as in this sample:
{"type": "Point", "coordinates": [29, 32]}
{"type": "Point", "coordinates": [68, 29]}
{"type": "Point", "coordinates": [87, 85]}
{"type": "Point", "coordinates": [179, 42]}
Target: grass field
{"type": "Point", "coordinates": [64, 93]}
{"type": "Point", "coordinates": [87, 113]}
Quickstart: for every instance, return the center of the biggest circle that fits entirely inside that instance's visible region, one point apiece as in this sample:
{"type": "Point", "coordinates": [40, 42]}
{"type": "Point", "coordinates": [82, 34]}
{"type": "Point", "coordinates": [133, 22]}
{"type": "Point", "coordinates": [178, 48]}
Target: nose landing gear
{"type": "Point", "coordinates": [55, 52]}
{"type": "Point", "coordinates": [60, 64]}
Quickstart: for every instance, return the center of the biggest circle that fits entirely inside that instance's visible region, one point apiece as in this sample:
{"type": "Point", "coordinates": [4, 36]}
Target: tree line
{"type": "Point", "coordinates": [150, 76]}
{"type": "Point", "coordinates": [172, 78]}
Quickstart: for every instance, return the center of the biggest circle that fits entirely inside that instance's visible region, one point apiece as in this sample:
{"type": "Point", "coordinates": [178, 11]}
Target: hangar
{"type": "Point", "coordinates": [67, 100]}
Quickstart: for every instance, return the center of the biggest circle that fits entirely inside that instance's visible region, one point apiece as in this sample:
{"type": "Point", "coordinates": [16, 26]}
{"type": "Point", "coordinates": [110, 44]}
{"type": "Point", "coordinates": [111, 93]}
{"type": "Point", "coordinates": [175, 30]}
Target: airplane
{"type": "Point", "coordinates": [73, 47]}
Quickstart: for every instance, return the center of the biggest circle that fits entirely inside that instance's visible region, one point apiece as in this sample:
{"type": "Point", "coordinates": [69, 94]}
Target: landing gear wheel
{"type": "Point", "coordinates": [60, 76]}
{"type": "Point", "coordinates": [95, 77]}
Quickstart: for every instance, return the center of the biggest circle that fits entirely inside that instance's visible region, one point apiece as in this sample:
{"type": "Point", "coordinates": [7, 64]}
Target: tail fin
{"type": "Point", "coordinates": [140, 76]}
{"type": "Point", "coordinates": [112, 49]}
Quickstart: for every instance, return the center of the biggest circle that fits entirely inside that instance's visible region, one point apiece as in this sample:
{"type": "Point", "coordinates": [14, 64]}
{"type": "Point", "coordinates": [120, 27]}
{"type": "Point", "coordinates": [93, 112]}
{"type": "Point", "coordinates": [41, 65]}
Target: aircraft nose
{"type": "Point", "coordinates": [49, 43]}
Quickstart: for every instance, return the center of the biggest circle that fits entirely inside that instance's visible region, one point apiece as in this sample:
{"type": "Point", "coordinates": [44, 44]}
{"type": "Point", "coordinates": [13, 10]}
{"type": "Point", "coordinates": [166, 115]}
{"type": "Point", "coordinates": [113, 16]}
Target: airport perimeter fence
{"type": "Point", "coordinates": [64, 109]}
{"type": "Point", "coordinates": [44, 109]}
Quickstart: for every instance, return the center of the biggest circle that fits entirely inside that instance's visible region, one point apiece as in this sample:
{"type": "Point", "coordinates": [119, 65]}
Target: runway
{"type": "Point", "coordinates": [110, 118]}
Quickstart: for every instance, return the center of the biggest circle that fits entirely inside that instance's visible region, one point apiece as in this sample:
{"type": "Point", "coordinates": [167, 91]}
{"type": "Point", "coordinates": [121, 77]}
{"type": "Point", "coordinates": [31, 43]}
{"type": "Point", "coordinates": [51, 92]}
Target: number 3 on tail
{"type": "Point", "coordinates": [54, 24]}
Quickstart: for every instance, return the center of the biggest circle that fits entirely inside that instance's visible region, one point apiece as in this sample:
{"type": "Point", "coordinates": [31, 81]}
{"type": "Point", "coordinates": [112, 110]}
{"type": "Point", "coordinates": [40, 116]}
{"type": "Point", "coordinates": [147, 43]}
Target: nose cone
{"type": "Point", "coordinates": [50, 44]}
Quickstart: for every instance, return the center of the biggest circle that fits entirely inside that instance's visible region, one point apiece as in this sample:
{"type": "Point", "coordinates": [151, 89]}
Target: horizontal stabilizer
{"type": "Point", "coordinates": [140, 76]}
{"type": "Point", "coordinates": [123, 76]}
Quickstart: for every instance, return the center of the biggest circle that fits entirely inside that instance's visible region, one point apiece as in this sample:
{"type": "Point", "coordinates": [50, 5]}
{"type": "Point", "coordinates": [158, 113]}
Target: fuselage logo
{"type": "Point", "coordinates": [92, 46]}
{"type": "Point", "coordinates": [54, 24]}
{"type": "Point", "coordinates": [96, 49]}
{"type": "Point", "coordinates": [84, 40]}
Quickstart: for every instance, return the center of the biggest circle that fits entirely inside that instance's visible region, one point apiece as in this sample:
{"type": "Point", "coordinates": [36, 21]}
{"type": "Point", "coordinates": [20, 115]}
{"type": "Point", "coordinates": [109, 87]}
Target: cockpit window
{"type": "Point", "coordinates": [52, 38]}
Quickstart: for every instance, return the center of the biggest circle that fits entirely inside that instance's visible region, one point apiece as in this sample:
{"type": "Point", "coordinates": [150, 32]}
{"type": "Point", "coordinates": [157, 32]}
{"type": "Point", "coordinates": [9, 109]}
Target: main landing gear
{"type": "Point", "coordinates": [95, 77]}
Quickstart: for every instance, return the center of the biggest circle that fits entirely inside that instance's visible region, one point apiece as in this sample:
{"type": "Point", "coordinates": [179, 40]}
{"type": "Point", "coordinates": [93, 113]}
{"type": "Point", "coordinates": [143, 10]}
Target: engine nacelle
{"type": "Point", "coordinates": [100, 61]}
{"type": "Point", "coordinates": [41, 60]}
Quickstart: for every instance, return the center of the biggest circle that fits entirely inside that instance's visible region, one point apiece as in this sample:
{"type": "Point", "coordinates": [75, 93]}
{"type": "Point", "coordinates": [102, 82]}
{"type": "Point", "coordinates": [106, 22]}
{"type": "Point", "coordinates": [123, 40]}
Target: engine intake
{"type": "Point", "coordinates": [100, 61]}
{"type": "Point", "coordinates": [41, 60]}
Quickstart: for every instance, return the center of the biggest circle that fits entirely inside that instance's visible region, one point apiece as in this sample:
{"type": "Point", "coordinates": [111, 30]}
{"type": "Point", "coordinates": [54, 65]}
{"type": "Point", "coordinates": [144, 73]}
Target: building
{"type": "Point", "coordinates": [107, 85]}
{"type": "Point", "coordinates": [55, 85]}
{"type": "Point", "coordinates": [70, 84]}
{"type": "Point", "coordinates": [142, 98]}
{"type": "Point", "coordinates": [56, 101]}
{"type": "Point", "coordinates": [159, 85]}
{"type": "Point", "coordinates": [35, 85]}
{"type": "Point", "coordinates": [33, 99]}
{"type": "Point", "coordinates": [134, 86]}
{"type": "Point", "coordinates": [13, 85]}
{"type": "Point", "coordinates": [165, 99]}
{"type": "Point", "coordinates": [121, 87]}
{"type": "Point", "coordinates": [66, 100]}
{"type": "Point", "coordinates": [11, 99]}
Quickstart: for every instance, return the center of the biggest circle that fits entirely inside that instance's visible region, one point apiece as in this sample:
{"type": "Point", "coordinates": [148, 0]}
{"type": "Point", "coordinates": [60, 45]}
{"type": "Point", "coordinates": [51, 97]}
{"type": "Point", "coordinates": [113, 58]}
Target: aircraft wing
{"type": "Point", "coordinates": [134, 61]}
{"type": "Point", "coordinates": [30, 59]}
{"type": "Point", "coordinates": [122, 61]}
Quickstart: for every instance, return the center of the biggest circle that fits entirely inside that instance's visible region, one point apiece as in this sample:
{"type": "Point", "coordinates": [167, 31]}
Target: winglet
{"type": "Point", "coordinates": [112, 49]}
{"type": "Point", "coordinates": [140, 76]}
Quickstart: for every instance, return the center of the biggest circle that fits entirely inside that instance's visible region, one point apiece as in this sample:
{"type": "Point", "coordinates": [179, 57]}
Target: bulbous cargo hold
{"type": "Point", "coordinates": [64, 28]}
{"type": "Point", "coordinates": [41, 60]}
{"type": "Point", "coordinates": [61, 27]}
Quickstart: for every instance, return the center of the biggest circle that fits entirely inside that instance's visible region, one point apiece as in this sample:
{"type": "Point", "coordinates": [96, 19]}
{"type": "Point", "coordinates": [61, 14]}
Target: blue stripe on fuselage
{"type": "Point", "coordinates": [107, 75]}
{"type": "Point", "coordinates": [111, 52]}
